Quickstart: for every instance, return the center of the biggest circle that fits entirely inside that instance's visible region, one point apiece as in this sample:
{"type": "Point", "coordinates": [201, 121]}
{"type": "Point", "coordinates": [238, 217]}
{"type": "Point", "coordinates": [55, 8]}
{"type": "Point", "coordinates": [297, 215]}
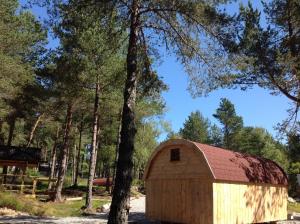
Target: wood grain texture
{"type": "Point", "coordinates": [186, 191]}
{"type": "Point", "coordinates": [248, 203]}
{"type": "Point", "coordinates": [192, 164]}
{"type": "Point", "coordinates": [180, 201]}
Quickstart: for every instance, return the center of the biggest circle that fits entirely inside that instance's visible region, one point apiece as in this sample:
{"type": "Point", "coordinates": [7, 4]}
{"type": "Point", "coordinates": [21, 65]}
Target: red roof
{"type": "Point", "coordinates": [234, 166]}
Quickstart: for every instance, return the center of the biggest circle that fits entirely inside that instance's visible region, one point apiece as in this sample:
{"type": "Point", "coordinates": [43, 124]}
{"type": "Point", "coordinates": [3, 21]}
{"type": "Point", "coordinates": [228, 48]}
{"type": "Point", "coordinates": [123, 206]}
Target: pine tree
{"type": "Point", "coordinates": [232, 123]}
{"type": "Point", "coordinates": [196, 128]}
{"type": "Point", "coordinates": [267, 54]}
{"type": "Point", "coordinates": [178, 25]}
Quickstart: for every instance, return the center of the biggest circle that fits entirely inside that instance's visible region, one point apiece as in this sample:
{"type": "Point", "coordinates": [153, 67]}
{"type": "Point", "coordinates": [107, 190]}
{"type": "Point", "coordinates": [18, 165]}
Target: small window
{"type": "Point", "coordinates": [175, 155]}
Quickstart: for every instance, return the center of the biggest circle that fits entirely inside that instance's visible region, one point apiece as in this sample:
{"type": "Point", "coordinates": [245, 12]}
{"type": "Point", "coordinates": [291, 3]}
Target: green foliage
{"type": "Point", "coordinates": [21, 44]}
{"type": "Point", "coordinates": [294, 207]}
{"type": "Point", "coordinates": [294, 168]}
{"type": "Point", "coordinates": [145, 143]}
{"type": "Point", "coordinates": [232, 123]}
{"type": "Point", "coordinates": [23, 204]}
{"type": "Point", "coordinates": [215, 136]}
{"type": "Point", "coordinates": [294, 146]}
{"type": "Point", "coordinates": [195, 128]}
{"type": "Point", "coordinates": [266, 53]}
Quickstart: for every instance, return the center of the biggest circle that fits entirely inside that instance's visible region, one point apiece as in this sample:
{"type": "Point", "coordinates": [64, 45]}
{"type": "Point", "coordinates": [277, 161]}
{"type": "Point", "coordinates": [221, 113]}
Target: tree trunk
{"type": "Point", "coordinates": [92, 165]}
{"type": "Point", "coordinates": [38, 120]}
{"type": "Point", "coordinates": [1, 133]}
{"type": "Point", "coordinates": [81, 167]}
{"type": "Point", "coordinates": [74, 164]}
{"type": "Point", "coordinates": [117, 150]}
{"type": "Point", "coordinates": [78, 152]}
{"type": "Point", "coordinates": [12, 124]}
{"type": "Point", "coordinates": [53, 160]}
{"type": "Point", "coordinates": [107, 184]}
{"type": "Point", "coordinates": [53, 164]}
{"type": "Point", "coordinates": [63, 163]}
{"type": "Point", "coordinates": [121, 194]}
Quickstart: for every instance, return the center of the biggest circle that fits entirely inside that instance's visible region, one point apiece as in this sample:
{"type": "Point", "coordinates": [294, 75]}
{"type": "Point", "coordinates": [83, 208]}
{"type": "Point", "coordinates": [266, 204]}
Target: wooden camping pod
{"type": "Point", "coordinates": [188, 182]}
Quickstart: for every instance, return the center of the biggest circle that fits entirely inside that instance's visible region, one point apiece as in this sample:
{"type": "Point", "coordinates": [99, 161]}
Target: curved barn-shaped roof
{"type": "Point", "coordinates": [228, 165]}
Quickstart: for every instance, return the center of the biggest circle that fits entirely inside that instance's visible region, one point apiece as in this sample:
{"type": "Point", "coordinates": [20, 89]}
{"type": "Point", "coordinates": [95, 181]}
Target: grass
{"type": "Point", "coordinates": [21, 203]}
{"type": "Point", "coordinates": [70, 208]}
{"type": "Point", "coordinates": [294, 207]}
{"type": "Point", "coordinates": [34, 207]}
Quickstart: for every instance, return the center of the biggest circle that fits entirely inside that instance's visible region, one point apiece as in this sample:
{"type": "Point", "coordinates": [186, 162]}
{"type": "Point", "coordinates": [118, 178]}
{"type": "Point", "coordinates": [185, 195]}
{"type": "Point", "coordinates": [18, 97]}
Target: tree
{"type": "Point", "coordinates": [196, 128]}
{"type": "Point", "coordinates": [215, 136]}
{"type": "Point", "coordinates": [267, 54]}
{"type": "Point", "coordinates": [293, 145]}
{"type": "Point", "coordinates": [257, 141]}
{"type": "Point", "coordinates": [232, 123]}
{"type": "Point", "coordinates": [177, 24]}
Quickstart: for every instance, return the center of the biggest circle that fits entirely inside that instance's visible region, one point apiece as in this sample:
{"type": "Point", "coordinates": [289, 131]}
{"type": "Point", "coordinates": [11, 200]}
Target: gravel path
{"type": "Point", "coordinates": [137, 215]}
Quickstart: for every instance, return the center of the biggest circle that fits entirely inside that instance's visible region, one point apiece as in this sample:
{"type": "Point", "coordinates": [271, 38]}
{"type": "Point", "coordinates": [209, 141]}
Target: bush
{"type": "Point", "coordinates": [21, 203]}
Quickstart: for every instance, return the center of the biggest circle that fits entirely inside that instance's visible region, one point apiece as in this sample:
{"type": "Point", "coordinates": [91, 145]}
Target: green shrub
{"type": "Point", "coordinates": [21, 203]}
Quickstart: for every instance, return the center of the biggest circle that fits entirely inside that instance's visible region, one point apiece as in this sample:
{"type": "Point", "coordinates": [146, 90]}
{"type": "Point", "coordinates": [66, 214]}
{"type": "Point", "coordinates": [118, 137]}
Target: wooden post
{"type": "Point", "coordinates": [34, 186]}
{"type": "Point", "coordinates": [23, 179]}
{"type": "Point", "coordinates": [22, 184]}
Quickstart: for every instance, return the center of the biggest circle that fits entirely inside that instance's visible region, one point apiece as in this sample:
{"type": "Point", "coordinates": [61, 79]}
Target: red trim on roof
{"type": "Point", "coordinates": [234, 166]}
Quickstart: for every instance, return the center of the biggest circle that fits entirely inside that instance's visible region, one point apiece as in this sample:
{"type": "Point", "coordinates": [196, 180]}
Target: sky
{"type": "Point", "coordinates": [257, 106]}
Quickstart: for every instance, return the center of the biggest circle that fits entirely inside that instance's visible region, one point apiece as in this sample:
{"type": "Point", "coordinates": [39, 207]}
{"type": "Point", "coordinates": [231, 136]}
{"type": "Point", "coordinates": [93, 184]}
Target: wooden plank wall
{"type": "Point", "coordinates": [192, 164]}
{"type": "Point", "coordinates": [245, 203]}
{"type": "Point", "coordinates": [180, 201]}
{"type": "Point", "coordinates": [179, 191]}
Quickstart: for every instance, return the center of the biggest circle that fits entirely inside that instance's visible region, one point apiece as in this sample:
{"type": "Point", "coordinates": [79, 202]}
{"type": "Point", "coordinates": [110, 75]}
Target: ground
{"type": "Point", "coordinates": [137, 215]}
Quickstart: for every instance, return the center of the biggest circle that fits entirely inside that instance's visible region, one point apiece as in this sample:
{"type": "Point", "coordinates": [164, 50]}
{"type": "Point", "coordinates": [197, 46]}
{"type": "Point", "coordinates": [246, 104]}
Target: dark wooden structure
{"type": "Point", "coordinates": [21, 158]}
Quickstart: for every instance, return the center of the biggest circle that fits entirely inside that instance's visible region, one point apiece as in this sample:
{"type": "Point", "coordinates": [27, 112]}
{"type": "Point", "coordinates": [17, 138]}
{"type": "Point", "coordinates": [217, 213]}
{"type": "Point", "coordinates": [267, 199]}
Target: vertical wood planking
{"type": "Point", "coordinates": [246, 203]}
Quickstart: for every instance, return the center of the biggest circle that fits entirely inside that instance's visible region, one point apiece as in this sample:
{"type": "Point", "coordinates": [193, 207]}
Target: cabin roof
{"type": "Point", "coordinates": [227, 165]}
{"type": "Point", "coordinates": [234, 166]}
{"type": "Point", "coordinates": [29, 155]}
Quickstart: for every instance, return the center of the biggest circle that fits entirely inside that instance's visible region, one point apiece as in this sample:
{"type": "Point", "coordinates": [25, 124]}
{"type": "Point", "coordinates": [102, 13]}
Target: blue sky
{"type": "Point", "coordinates": [257, 106]}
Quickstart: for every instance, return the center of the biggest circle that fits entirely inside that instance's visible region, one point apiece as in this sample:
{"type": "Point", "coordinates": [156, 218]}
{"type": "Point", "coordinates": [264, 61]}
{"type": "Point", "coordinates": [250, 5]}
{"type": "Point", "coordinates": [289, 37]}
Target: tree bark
{"type": "Point", "coordinates": [78, 152]}
{"type": "Point", "coordinates": [117, 150]}
{"type": "Point", "coordinates": [12, 124]}
{"type": "Point", "coordinates": [1, 133]}
{"type": "Point", "coordinates": [53, 160]}
{"type": "Point", "coordinates": [92, 165]}
{"type": "Point", "coordinates": [121, 194]}
{"type": "Point", "coordinates": [30, 137]}
{"type": "Point", "coordinates": [63, 163]}
{"type": "Point", "coordinates": [74, 164]}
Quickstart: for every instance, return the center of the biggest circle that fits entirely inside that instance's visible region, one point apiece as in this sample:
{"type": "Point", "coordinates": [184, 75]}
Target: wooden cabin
{"type": "Point", "coordinates": [21, 157]}
{"type": "Point", "coordinates": [189, 182]}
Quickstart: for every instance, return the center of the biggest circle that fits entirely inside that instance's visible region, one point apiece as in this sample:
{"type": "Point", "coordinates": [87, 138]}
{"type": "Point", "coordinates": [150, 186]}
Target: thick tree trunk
{"type": "Point", "coordinates": [92, 165]}
{"type": "Point", "coordinates": [78, 152]}
{"type": "Point", "coordinates": [121, 194]}
{"type": "Point", "coordinates": [64, 154]}
{"type": "Point", "coordinates": [30, 137]}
